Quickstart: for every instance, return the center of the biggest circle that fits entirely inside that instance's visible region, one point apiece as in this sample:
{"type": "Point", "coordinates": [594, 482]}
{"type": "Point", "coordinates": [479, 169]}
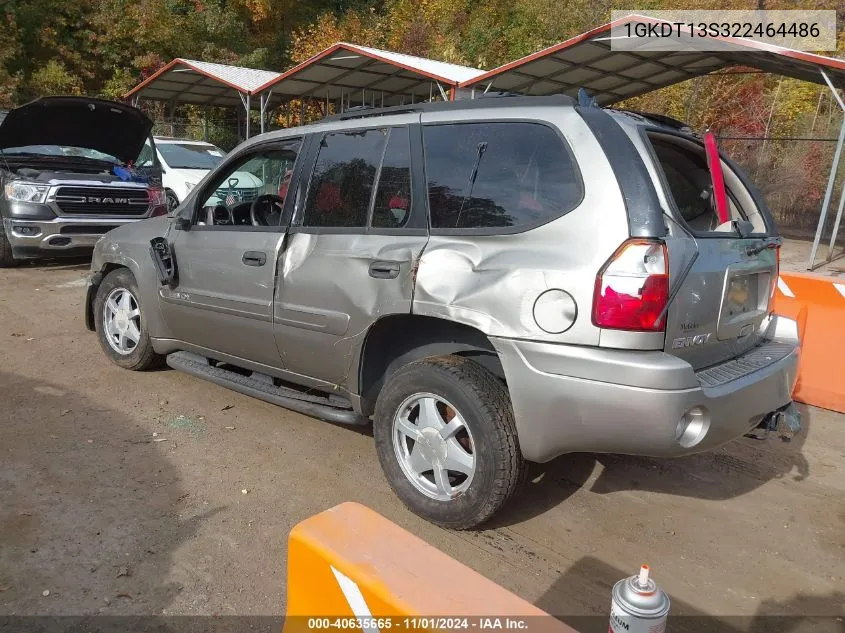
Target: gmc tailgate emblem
{"type": "Point", "coordinates": [690, 341]}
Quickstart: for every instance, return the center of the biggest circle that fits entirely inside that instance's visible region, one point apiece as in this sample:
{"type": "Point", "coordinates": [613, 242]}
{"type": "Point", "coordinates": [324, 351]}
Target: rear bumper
{"type": "Point", "coordinates": [59, 237]}
{"type": "Point", "coordinates": [568, 399]}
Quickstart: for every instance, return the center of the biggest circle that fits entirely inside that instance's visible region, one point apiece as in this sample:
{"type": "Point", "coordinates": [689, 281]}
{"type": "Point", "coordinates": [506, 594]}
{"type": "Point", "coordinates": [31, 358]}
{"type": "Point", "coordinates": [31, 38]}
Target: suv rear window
{"type": "Point", "coordinates": [498, 175]}
{"type": "Point", "coordinates": [689, 182]}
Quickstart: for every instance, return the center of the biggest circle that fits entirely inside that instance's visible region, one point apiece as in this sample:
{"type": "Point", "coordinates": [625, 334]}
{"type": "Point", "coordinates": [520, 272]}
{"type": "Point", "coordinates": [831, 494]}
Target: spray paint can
{"type": "Point", "coordinates": [638, 605]}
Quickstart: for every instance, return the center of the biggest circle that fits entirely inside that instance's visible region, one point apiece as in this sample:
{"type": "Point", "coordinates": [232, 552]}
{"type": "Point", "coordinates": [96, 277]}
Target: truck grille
{"type": "Point", "coordinates": [755, 359]}
{"type": "Point", "coordinates": [102, 201]}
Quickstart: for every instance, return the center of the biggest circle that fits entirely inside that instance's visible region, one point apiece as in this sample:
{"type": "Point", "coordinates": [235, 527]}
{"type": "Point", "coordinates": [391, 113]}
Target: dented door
{"type": "Point", "coordinates": [358, 231]}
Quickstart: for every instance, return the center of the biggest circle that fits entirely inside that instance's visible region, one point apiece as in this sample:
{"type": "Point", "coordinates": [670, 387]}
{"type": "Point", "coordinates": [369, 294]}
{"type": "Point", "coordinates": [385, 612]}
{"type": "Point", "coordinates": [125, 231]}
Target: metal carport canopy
{"type": "Point", "coordinates": [201, 83]}
{"type": "Point", "coordinates": [587, 61]}
{"type": "Point", "coordinates": [368, 75]}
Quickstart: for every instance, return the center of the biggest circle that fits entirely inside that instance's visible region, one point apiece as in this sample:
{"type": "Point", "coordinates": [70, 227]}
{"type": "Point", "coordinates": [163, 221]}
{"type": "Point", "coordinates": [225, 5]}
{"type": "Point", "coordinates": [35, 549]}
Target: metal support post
{"type": "Point", "coordinates": [831, 181]}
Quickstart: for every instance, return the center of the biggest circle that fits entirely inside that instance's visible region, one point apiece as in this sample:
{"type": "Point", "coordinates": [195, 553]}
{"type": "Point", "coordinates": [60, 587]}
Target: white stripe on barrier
{"type": "Point", "coordinates": [840, 288]}
{"type": "Point", "coordinates": [355, 598]}
{"type": "Point", "coordinates": [784, 288]}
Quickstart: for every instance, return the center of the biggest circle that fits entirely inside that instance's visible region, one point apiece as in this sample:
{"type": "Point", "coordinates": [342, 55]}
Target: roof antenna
{"type": "Point", "coordinates": [586, 100]}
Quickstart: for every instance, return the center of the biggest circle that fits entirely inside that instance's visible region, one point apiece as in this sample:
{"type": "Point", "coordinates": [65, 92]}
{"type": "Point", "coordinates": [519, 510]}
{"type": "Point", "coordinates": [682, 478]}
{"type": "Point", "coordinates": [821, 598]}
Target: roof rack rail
{"type": "Point", "coordinates": [513, 99]}
{"type": "Point", "coordinates": [361, 112]}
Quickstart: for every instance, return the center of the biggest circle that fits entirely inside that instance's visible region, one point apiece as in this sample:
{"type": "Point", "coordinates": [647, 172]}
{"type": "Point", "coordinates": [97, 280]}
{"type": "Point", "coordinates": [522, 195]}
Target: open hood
{"type": "Point", "coordinates": [106, 126]}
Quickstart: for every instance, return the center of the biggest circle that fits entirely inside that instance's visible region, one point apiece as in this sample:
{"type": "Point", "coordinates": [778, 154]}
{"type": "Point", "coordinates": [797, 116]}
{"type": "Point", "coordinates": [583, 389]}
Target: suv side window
{"type": "Point", "coordinates": [392, 206]}
{"type": "Point", "coordinates": [227, 201]}
{"type": "Point", "coordinates": [498, 175]}
{"type": "Point", "coordinates": [342, 181]}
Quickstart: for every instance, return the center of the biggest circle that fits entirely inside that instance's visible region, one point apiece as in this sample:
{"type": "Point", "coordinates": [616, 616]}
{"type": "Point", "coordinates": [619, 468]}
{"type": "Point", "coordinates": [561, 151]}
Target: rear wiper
{"type": "Point", "coordinates": [744, 228]}
{"type": "Point", "coordinates": [772, 242]}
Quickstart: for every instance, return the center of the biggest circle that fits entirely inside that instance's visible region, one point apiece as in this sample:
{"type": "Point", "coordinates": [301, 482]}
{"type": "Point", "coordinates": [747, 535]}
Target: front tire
{"type": "Point", "coordinates": [447, 442]}
{"type": "Point", "coordinates": [120, 323]}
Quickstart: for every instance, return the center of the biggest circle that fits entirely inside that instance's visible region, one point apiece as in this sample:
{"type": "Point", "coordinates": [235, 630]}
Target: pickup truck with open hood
{"type": "Point", "coordinates": [67, 176]}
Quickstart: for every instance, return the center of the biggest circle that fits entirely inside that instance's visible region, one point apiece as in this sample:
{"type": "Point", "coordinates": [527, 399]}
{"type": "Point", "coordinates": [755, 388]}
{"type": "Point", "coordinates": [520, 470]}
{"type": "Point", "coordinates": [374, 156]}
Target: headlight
{"type": "Point", "coordinates": [26, 191]}
{"type": "Point", "coordinates": [189, 186]}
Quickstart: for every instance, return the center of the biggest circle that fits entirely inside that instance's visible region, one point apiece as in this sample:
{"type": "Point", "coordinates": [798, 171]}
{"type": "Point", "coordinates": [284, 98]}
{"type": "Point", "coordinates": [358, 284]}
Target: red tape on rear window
{"type": "Point", "coordinates": [715, 165]}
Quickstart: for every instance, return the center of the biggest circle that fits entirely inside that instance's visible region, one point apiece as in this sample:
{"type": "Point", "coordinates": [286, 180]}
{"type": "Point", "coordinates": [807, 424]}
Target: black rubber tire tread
{"type": "Point", "coordinates": [483, 401]}
{"type": "Point", "coordinates": [169, 193]}
{"type": "Point", "coordinates": [143, 356]}
{"type": "Point", "coordinates": [6, 258]}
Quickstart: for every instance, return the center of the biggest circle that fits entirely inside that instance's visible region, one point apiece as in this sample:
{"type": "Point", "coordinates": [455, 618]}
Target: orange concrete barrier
{"type": "Point", "coordinates": [350, 568]}
{"type": "Point", "coordinates": [818, 304]}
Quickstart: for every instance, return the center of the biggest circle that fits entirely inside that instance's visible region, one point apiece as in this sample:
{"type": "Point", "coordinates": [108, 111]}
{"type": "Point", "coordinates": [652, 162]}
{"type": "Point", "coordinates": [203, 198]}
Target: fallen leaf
{"type": "Point", "coordinates": [6, 588]}
{"type": "Point", "coordinates": [25, 514]}
{"type": "Point", "coordinates": [65, 411]}
{"type": "Point", "coordinates": [124, 595]}
{"type": "Point", "coordinates": [227, 407]}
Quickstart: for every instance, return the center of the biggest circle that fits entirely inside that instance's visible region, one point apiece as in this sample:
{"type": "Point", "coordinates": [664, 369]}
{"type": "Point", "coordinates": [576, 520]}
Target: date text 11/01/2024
{"type": "Point", "coordinates": [419, 623]}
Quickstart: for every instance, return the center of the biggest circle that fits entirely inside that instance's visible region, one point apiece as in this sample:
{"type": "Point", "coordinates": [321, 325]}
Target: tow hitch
{"type": "Point", "coordinates": [786, 422]}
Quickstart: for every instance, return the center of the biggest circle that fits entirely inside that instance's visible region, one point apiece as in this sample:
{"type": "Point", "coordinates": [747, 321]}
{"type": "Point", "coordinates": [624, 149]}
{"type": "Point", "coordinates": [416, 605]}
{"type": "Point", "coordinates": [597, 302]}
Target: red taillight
{"type": "Point", "coordinates": [157, 201]}
{"type": "Point", "coordinates": [632, 288]}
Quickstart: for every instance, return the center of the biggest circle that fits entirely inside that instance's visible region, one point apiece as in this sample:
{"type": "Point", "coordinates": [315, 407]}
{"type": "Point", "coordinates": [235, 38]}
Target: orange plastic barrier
{"type": "Point", "coordinates": [818, 304]}
{"type": "Point", "coordinates": [350, 562]}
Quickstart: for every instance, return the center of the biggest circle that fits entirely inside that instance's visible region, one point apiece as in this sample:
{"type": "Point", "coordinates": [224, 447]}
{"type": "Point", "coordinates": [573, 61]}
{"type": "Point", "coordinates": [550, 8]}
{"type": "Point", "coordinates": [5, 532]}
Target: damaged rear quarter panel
{"type": "Point", "coordinates": [491, 282]}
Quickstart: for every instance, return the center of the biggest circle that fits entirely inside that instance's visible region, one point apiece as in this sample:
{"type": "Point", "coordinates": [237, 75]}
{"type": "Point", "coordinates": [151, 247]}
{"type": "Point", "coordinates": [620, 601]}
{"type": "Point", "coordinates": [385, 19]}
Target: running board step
{"type": "Point", "coordinates": [261, 386]}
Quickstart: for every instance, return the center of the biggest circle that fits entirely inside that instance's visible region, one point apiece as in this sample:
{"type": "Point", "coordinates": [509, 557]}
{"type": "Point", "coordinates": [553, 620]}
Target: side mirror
{"type": "Point", "coordinates": [181, 223]}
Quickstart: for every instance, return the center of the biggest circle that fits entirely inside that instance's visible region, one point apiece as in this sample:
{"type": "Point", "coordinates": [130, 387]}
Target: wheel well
{"type": "Point", "coordinates": [396, 340]}
{"type": "Point", "coordinates": [92, 292]}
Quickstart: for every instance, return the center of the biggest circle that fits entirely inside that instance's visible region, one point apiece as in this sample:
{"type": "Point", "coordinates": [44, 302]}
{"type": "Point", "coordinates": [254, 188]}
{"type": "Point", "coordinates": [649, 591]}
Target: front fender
{"type": "Point", "coordinates": [129, 247]}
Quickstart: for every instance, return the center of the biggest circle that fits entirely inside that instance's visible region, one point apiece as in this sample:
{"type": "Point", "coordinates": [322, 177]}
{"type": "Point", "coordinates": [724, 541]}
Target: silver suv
{"type": "Point", "coordinates": [488, 281]}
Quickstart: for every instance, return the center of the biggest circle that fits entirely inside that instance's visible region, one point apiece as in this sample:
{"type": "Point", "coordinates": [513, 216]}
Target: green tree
{"type": "Point", "coordinates": [54, 79]}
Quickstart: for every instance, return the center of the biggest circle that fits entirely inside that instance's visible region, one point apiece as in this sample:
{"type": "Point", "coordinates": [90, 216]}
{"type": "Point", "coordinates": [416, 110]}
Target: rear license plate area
{"type": "Point", "coordinates": [745, 300]}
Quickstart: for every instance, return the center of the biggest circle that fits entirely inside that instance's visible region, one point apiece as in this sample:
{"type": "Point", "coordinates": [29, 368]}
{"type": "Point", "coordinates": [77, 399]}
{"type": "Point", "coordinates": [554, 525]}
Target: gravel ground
{"type": "Point", "coordinates": [123, 493]}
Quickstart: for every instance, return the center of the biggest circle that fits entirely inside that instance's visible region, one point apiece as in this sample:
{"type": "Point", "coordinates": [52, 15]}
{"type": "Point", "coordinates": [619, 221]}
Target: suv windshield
{"type": "Point", "coordinates": [190, 155]}
{"type": "Point", "coordinates": [61, 150]}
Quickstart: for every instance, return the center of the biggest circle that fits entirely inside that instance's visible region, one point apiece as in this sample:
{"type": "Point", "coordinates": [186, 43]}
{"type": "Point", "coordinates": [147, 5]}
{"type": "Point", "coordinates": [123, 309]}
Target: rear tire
{"type": "Point", "coordinates": [120, 323]}
{"type": "Point", "coordinates": [6, 259]}
{"type": "Point", "coordinates": [477, 469]}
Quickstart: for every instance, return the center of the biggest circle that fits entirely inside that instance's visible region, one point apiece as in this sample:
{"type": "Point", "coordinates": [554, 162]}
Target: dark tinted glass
{"type": "Point", "coordinates": [393, 196]}
{"type": "Point", "coordinates": [691, 186]}
{"type": "Point", "coordinates": [489, 175]}
{"type": "Point", "coordinates": [342, 182]}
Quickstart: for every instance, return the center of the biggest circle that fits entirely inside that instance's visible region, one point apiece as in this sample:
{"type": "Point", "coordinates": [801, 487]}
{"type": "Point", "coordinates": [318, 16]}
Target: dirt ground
{"type": "Point", "coordinates": [122, 493]}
